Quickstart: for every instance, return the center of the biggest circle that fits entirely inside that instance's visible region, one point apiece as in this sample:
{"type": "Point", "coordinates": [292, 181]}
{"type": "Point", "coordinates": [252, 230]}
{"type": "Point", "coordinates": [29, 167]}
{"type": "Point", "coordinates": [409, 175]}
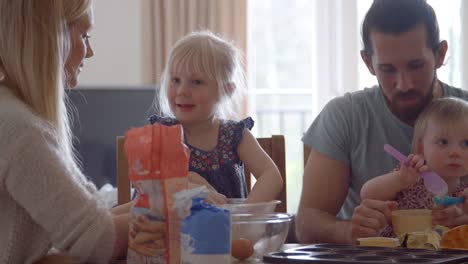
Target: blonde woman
{"type": "Point", "coordinates": [46, 201]}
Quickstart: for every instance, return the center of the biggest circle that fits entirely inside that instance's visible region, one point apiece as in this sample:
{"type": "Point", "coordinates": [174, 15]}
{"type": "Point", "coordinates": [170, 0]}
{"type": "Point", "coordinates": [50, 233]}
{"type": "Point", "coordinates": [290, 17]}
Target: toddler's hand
{"type": "Point", "coordinates": [464, 206]}
{"type": "Point", "coordinates": [453, 215]}
{"type": "Point", "coordinates": [449, 216]}
{"type": "Point", "coordinates": [410, 172]}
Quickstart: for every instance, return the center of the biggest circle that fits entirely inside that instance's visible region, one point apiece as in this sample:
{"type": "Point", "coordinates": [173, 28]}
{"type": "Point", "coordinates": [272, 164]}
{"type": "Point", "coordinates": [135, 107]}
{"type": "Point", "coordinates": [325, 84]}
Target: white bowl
{"type": "Point", "coordinates": [237, 206]}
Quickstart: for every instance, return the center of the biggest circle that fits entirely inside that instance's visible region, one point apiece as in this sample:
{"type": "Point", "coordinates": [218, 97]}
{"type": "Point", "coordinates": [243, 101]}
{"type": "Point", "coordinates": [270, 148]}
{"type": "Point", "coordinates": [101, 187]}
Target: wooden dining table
{"type": "Point", "coordinates": [442, 256]}
{"type": "Point", "coordinates": [65, 259]}
{"type": "Point", "coordinates": [284, 247]}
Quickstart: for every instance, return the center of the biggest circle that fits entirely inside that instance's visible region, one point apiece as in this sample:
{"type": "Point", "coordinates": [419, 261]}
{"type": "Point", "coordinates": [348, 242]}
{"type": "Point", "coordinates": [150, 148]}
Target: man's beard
{"type": "Point", "coordinates": [409, 114]}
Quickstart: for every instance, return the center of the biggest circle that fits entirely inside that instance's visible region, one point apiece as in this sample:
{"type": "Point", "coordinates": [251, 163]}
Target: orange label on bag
{"type": "Point", "coordinates": [155, 152]}
{"type": "Point", "coordinates": [158, 168]}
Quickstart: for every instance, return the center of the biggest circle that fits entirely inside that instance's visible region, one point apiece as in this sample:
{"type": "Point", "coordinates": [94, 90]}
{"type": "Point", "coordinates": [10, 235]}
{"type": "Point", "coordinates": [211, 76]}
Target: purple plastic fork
{"type": "Point", "coordinates": [433, 182]}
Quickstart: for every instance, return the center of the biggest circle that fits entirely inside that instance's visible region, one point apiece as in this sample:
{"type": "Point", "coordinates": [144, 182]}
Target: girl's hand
{"type": "Point", "coordinates": [410, 173]}
{"type": "Point", "coordinates": [195, 178]}
{"type": "Point", "coordinates": [214, 197]}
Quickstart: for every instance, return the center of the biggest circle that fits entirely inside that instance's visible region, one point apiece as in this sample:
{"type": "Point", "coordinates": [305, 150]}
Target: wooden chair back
{"type": "Point", "coordinates": [123, 183]}
{"type": "Point", "coordinates": [274, 146]}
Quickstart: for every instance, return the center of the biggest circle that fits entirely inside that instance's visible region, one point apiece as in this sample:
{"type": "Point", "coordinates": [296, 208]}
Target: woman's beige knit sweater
{"type": "Point", "coordinates": [45, 200]}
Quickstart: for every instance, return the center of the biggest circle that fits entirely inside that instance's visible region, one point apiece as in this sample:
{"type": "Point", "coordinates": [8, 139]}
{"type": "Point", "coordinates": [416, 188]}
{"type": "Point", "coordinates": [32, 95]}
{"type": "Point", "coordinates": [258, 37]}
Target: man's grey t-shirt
{"type": "Point", "coordinates": [354, 128]}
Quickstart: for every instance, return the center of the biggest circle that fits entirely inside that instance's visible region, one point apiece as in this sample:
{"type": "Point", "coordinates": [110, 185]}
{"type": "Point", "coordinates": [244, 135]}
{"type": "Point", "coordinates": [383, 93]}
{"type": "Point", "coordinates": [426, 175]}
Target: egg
{"type": "Point", "coordinates": [241, 248]}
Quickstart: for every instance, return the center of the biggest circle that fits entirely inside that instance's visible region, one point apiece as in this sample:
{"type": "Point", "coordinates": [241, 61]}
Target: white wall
{"type": "Point", "coordinates": [121, 42]}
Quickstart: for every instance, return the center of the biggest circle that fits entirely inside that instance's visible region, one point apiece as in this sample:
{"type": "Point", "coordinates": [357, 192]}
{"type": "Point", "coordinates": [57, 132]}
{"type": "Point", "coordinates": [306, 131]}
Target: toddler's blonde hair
{"type": "Point", "coordinates": [444, 111]}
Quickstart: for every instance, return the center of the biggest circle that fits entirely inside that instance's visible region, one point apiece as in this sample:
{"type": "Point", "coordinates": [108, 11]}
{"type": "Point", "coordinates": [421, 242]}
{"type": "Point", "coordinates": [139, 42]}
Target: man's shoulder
{"type": "Point", "coordinates": [455, 92]}
{"type": "Point", "coordinates": [366, 97]}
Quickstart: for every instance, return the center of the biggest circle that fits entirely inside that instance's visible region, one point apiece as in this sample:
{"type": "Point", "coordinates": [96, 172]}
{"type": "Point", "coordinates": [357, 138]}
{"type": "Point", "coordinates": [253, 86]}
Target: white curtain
{"type": "Point", "coordinates": [336, 49]}
{"type": "Point", "coordinates": [172, 19]}
{"type": "Point", "coordinates": [464, 44]}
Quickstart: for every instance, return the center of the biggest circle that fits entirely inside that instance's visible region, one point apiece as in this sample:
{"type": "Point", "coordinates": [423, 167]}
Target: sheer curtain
{"type": "Point", "coordinates": [301, 54]}
{"type": "Point", "coordinates": [172, 19]}
{"type": "Point", "coordinates": [464, 44]}
{"type": "Point", "coordinates": [336, 50]}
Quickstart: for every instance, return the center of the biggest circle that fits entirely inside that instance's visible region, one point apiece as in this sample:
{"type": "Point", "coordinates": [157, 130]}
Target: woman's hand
{"type": "Point", "coordinates": [147, 236]}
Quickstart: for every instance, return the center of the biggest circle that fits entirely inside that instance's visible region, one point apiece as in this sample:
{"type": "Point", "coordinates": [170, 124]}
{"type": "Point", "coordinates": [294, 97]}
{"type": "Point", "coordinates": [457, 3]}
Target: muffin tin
{"type": "Point", "coordinates": [338, 253]}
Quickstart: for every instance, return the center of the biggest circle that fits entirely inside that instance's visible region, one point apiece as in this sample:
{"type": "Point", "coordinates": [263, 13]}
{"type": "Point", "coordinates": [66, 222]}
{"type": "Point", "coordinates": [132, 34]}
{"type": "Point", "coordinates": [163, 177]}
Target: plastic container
{"type": "Point", "coordinates": [411, 220]}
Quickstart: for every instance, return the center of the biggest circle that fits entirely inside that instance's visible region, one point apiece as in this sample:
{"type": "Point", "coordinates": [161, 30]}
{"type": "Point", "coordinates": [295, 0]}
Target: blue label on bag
{"type": "Point", "coordinates": [207, 231]}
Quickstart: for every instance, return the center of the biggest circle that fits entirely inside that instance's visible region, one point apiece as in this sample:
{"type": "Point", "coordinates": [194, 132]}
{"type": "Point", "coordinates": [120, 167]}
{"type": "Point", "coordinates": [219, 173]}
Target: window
{"type": "Point", "coordinates": [302, 53]}
{"type": "Point", "coordinates": [449, 18]}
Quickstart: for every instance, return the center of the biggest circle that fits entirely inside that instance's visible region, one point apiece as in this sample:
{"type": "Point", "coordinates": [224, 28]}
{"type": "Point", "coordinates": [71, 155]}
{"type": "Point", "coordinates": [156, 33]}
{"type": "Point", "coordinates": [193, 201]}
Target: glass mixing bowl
{"type": "Point", "coordinates": [238, 206]}
{"type": "Point", "coordinates": [264, 233]}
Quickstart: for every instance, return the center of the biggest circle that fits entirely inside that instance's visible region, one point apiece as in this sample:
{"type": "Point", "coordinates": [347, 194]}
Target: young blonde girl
{"type": "Point", "coordinates": [440, 144]}
{"type": "Point", "coordinates": [201, 88]}
{"type": "Point", "coordinates": [45, 199]}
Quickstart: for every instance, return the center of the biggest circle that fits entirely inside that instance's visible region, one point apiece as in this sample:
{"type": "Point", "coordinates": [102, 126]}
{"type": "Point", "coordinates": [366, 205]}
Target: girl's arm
{"type": "Point", "coordinates": [269, 182]}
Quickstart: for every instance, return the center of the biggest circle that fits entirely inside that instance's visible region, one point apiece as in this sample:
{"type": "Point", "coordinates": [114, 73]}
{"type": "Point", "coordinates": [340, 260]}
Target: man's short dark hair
{"type": "Point", "coordinates": [399, 16]}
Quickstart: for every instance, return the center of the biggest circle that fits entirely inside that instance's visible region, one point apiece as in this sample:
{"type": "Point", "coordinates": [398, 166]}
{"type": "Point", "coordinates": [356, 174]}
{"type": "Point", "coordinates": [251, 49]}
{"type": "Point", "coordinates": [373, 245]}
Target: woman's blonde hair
{"type": "Point", "coordinates": [204, 52]}
{"type": "Point", "coordinates": [446, 110]}
{"type": "Point", "coordinates": [33, 51]}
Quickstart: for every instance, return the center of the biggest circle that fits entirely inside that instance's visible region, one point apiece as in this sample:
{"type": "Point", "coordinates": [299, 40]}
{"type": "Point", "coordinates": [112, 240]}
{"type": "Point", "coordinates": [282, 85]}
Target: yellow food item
{"type": "Point", "coordinates": [379, 242]}
{"type": "Point", "coordinates": [428, 239]}
{"type": "Point", "coordinates": [241, 248]}
{"type": "Point", "coordinates": [455, 238]}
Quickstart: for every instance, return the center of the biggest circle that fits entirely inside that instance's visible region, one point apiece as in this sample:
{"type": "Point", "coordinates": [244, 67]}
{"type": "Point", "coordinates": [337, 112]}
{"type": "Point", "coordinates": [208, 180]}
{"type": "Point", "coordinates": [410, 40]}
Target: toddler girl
{"type": "Point", "coordinates": [440, 144]}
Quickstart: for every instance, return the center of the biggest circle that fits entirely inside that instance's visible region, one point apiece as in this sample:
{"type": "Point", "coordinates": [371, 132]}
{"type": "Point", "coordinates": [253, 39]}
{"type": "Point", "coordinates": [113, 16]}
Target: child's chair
{"type": "Point", "coordinates": [274, 146]}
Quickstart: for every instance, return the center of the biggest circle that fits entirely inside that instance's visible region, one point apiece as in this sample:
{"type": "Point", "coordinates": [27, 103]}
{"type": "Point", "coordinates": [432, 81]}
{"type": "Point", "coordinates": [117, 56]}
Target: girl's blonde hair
{"type": "Point", "coordinates": [204, 52]}
{"type": "Point", "coordinates": [446, 110]}
{"type": "Point", "coordinates": [33, 51]}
